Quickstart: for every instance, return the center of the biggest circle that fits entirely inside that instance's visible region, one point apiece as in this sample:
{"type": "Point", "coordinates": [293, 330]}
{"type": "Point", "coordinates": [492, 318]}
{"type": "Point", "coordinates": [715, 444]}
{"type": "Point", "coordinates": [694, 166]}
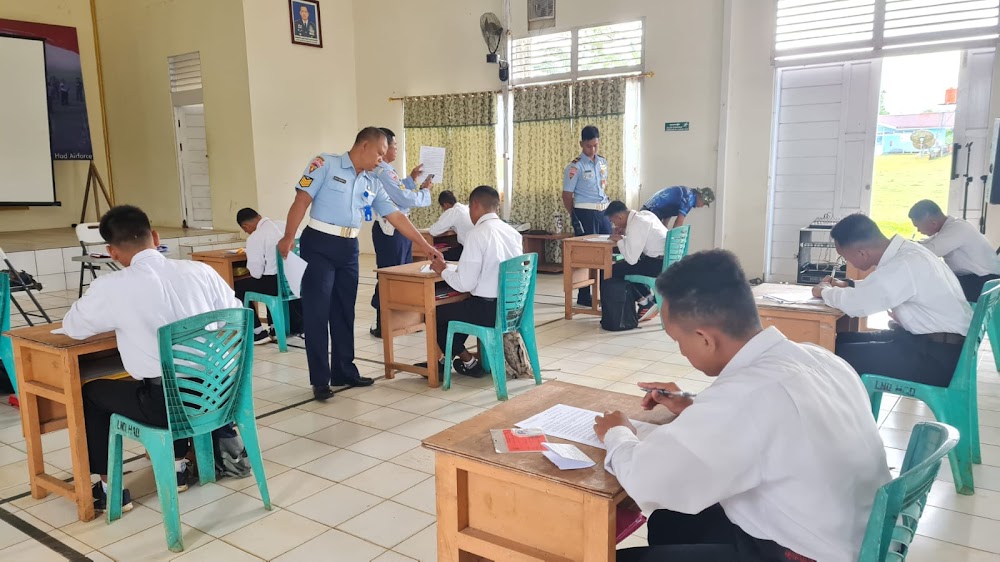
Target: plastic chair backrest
{"type": "Point", "coordinates": [284, 290]}
{"type": "Point", "coordinates": [6, 348]}
{"type": "Point", "coordinates": [676, 245]}
{"type": "Point", "coordinates": [982, 314]}
{"type": "Point", "coordinates": [516, 292]}
{"type": "Point", "coordinates": [900, 503]}
{"type": "Point", "coordinates": [88, 233]}
{"type": "Point", "coordinates": [206, 362]}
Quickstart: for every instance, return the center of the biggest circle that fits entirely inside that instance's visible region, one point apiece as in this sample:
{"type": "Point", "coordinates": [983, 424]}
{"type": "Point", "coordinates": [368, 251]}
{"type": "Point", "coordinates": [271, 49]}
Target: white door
{"type": "Point", "coordinates": [192, 151]}
{"type": "Point", "coordinates": [972, 124]}
{"type": "Point", "coordinates": [823, 152]}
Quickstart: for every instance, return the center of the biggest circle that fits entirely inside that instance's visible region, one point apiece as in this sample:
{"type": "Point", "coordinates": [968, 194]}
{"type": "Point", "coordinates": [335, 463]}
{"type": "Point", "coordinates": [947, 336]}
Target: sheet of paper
{"type": "Point", "coordinates": [573, 424]}
{"type": "Point", "coordinates": [794, 299]}
{"type": "Point", "coordinates": [295, 268]}
{"type": "Point", "coordinates": [432, 157]}
{"type": "Point", "coordinates": [59, 332]}
{"type": "Point", "coordinates": [449, 267]}
{"type": "Point", "coordinates": [566, 456]}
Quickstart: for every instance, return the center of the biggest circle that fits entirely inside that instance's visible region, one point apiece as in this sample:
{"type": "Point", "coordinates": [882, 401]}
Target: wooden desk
{"type": "Point", "coordinates": [223, 261]}
{"type": "Point", "coordinates": [503, 506]}
{"type": "Point", "coordinates": [535, 244]}
{"type": "Point", "coordinates": [583, 258]}
{"type": "Point", "coordinates": [449, 238]}
{"type": "Point", "coordinates": [407, 305]}
{"type": "Point", "coordinates": [803, 323]}
{"type": "Point", "coordinates": [50, 370]}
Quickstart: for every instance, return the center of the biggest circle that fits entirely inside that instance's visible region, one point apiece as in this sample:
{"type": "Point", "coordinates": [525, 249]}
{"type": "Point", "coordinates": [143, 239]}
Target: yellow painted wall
{"type": "Point", "coordinates": [137, 36]}
{"type": "Point", "coordinates": [70, 176]}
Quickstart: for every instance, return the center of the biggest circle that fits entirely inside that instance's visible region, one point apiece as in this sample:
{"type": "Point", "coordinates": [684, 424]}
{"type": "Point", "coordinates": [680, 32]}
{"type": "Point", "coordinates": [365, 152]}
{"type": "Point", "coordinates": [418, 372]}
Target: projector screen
{"type": "Point", "coordinates": [25, 142]}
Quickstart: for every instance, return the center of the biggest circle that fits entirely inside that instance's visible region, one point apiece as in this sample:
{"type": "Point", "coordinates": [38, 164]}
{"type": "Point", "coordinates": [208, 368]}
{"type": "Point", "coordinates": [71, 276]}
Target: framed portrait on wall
{"type": "Point", "coordinates": [305, 24]}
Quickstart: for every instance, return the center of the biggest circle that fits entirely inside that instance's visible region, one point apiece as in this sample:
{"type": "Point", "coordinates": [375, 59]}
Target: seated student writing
{"type": "Point", "coordinates": [150, 292]}
{"type": "Point", "coordinates": [489, 243]}
{"type": "Point", "coordinates": [641, 238]}
{"type": "Point", "coordinates": [262, 261]}
{"type": "Point", "coordinates": [920, 292]}
{"type": "Point", "coordinates": [778, 460]}
{"type": "Point", "coordinates": [455, 218]}
{"type": "Point", "coordinates": [965, 250]}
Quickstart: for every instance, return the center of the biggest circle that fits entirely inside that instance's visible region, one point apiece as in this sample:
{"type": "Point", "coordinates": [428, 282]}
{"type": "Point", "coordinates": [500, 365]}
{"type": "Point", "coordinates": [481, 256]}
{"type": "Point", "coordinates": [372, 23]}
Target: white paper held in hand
{"type": "Point", "coordinates": [295, 268]}
{"type": "Point", "coordinates": [450, 267]}
{"type": "Point", "coordinates": [566, 456]}
{"type": "Point", "coordinates": [432, 157]}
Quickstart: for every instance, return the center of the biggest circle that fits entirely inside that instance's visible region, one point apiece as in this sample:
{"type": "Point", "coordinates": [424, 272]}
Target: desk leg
{"type": "Point", "coordinates": [568, 287]}
{"type": "Point", "coordinates": [595, 292]}
{"type": "Point", "coordinates": [430, 329]}
{"type": "Point", "coordinates": [451, 515]}
{"type": "Point", "coordinates": [80, 454]}
{"type": "Point", "coordinates": [32, 435]}
{"type": "Point", "coordinates": [388, 325]}
{"type": "Point", "coordinates": [599, 529]}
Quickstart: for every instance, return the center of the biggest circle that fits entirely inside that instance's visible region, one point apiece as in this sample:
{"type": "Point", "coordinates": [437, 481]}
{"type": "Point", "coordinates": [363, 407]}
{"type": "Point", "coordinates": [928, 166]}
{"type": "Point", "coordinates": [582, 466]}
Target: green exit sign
{"type": "Point", "coordinates": [677, 126]}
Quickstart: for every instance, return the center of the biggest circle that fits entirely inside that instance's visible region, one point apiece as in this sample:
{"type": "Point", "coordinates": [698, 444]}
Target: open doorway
{"type": "Point", "coordinates": [916, 129]}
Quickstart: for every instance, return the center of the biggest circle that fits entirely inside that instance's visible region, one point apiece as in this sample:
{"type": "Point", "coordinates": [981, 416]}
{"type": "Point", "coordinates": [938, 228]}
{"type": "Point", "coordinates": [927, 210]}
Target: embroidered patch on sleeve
{"type": "Point", "coordinates": [316, 163]}
{"type": "Point", "coordinates": [572, 172]}
{"type": "Point", "coordinates": [306, 181]}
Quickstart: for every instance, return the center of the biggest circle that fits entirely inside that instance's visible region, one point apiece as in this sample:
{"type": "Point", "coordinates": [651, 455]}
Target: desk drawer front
{"type": "Point", "coordinates": [593, 256]}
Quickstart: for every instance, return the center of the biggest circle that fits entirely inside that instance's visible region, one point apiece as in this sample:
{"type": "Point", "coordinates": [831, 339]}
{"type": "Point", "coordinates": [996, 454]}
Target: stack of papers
{"type": "Point", "coordinates": [573, 424]}
{"type": "Point", "coordinates": [427, 268]}
{"type": "Point", "coordinates": [567, 457]}
{"type": "Point", "coordinates": [794, 300]}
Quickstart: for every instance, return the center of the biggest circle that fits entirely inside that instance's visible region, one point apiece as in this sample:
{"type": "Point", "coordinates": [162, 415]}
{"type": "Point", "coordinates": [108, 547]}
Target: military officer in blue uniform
{"type": "Point", "coordinates": [584, 182]}
{"type": "Point", "coordinates": [391, 247]}
{"type": "Point", "coordinates": [342, 191]}
{"type": "Point", "coordinates": [304, 27]}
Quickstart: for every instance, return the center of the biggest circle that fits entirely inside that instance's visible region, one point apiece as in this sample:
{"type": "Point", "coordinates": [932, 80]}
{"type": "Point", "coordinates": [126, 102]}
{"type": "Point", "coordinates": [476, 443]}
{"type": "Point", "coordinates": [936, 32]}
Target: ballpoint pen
{"type": "Point", "coordinates": [670, 394]}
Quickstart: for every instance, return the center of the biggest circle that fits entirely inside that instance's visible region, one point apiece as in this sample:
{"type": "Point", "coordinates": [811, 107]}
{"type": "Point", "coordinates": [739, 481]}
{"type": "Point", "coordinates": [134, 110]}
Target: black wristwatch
{"type": "Point", "coordinates": [850, 282]}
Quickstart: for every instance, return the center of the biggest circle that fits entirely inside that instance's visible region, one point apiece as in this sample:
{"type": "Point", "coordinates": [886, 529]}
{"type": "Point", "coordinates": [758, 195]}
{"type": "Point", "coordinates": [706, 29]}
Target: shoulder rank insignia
{"type": "Point", "coordinates": [306, 181]}
{"type": "Point", "coordinates": [575, 160]}
{"type": "Point", "coordinates": [316, 163]}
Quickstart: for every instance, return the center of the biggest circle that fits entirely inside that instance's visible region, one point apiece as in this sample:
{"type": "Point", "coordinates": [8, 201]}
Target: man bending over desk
{"type": "Point", "coordinates": [456, 218]}
{"type": "Point", "coordinates": [152, 291]}
{"type": "Point", "coordinates": [778, 460]}
{"type": "Point", "coordinates": [641, 238]}
{"type": "Point", "coordinates": [921, 294]}
{"type": "Point", "coordinates": [489, 243]}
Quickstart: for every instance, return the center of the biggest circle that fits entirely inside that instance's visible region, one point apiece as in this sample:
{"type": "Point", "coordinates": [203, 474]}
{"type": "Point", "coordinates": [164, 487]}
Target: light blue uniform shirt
{"type": "Point", "coordinates": [586, 179]}
{"type": "Point", "coordinates": [339, 194]}
{"type": "Point", "coordinates": [404, 193]}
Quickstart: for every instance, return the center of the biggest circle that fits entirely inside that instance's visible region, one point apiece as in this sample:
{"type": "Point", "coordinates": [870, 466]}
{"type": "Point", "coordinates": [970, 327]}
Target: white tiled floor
{"type": "Point", "coordinates": [349, 476]}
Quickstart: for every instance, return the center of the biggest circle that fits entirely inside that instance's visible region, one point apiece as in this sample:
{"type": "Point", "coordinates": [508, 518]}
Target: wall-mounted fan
{"type": "Point", "coordinates": [493, 31]}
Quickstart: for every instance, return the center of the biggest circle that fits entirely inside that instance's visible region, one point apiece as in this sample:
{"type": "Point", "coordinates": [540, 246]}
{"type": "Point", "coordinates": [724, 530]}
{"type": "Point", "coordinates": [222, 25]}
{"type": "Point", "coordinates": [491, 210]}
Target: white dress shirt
{"type": "Point", "coordinates": [919, 289]}
{"type": "Point", "coordinates": [455, 218]}
{"type": "Point", "coordinates": [783, 439]}
{"type": "Point", "coordinates": [491, 242]}
{"type": "Point", "coordinates": [151, 292]}
{"type": "Point", "coordinates": [644, 234]}
{"type": "Point", "coordinates": [964, 249]}
{"type": "Point", "coordinates": [261, 251]}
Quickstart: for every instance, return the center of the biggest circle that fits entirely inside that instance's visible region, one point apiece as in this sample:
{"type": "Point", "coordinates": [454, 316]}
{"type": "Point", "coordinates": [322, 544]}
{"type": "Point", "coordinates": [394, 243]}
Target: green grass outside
{"type": "Point", "coordinates": [900, 181]}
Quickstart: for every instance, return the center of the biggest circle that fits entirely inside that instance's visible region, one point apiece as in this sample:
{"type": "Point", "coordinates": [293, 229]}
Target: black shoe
{"type": "Point", "coordinates": [376, 332]}
{"type": "Point", "coordinates": [184, 478]}
{"type": "Point", "coordinates": [647, 311]}
{"type": "Point", "coordinates": [272, 335]}
{"type": "Point", "coordinates": [586, 303]}
{"type": "Point", "coordinates": [261, 337]}
{"type": "Point", "coordinates": [322, 392]}
{"type": "Point", "coordinates": [359, 381]}
{"type": "Point", "coordinates": [101, 498]}
{"type": "Point", "coordinates": [475, 371]}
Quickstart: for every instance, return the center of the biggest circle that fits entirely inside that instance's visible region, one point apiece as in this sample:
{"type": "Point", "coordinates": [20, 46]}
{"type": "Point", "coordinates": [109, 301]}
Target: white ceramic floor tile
{"type": "Point", "coordinates": [421, 428]}
{"type": "Point", "coordinates": [322, 547]}
{"type": "Point", "coordinates": [97, 533]}
{"type": "Point", "coordinates": [386, 480]}
{"type": "Point", "coordinates": [226, 515]}
{"type": "Point", "coordinates": [335, 505]}
{"type": "Point", "coordinates": [422, 546]}
{"type": "Point", "coordinates": [217, 550]}
{"type": "Point", "coordinates": [384, 418]}
{"type": "Point", "coordinates": [388, 524]}
{"type": "Point", "coordinates": [298, 452]}
{"type": "Point", "coordinates": [384, 446]}
{"type": "Point", "coordinates": [290, 487]}
{"type": "Point", "coordinates": [151, 544]}
{"type": "Point", "coordinates": [339, 466]}
{"type": "Point", "coordinates": [305, 423]}
{"type": "Point", "coordinates": [422, 496]}
{"type": "Point", "coordinates": [275, 534]}
{"type": "Point", "coordinates": [344, 434]}
{"type": "Point", "coordinates": [196, 496]}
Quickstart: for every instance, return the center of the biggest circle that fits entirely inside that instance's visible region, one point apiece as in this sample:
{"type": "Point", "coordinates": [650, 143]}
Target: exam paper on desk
{"type": "Point", "coordinates": [574, 424]}
{"type": "Point", "coordinates": [450, 267]}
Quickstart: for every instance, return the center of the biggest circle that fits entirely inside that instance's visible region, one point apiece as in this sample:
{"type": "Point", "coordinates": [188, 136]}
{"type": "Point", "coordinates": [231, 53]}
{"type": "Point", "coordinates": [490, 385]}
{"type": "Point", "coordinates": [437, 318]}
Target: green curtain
{"type": "Point", "coordinates": [465, 125]}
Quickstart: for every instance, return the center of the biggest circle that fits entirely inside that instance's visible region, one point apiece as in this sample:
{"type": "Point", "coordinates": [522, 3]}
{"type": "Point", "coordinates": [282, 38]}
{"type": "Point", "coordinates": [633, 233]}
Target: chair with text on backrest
{"type": "Point", "coordinates": [900, 503]}
{"type": "Point", "coordinates": [957, 403]}
{"type": "Point", "coordinates": [675, 248]}
{"type": "Point", "coordinates": [206, 362]}
{"type": "Point", "coordinates": [278, 305]}
{"type": "Point", "coordinates": [88, 234]}
{"type": "Point", "coordinates": [6, 348]}
{"type": "Point", "coordinates": [515, 313]}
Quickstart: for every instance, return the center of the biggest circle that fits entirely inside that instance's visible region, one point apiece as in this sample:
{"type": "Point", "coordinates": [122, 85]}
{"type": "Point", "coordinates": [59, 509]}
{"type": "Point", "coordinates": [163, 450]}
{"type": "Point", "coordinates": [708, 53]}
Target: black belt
{"type": "Point", "coordinates": [484, 298]}
{"type": "Point", "coordinates": [942, 337]}
{"type": "Point", "coordinates": [156, 381]}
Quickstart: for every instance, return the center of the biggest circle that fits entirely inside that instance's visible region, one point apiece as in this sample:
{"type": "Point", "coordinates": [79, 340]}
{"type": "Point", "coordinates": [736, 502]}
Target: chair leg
{"type": "Point", "coordinates": [248, 431]}
{"type": "Point", "coordinates": [447, 359]}
{"type": "Point", "coordinates": [499, 367]}
{"type": "Point", "coordinates": [204, 452]}
{"type": "Point", "coordinates": [993, 331]}
{"type": "Point", "coordinates": [876, 400]}
{"type": "Point", "coordinates": [162, 455]}
{"type": "Point", "coordinates": [280, 326]}
{"type": "Point", "coordinates": [82, 267]}
{"type": "Point", "coordinates": [115, 462]}
{"type": "Point", "coordinates": [484, 357]}
{"type": "Point", "coordinates": [531, 346]}
{"type": "Point", "coordinates": [960, 458]}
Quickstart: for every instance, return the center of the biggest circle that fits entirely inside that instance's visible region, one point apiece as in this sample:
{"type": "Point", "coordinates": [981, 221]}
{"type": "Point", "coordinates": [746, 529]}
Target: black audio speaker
{"type": "Point", "coordinates": [993, 182]}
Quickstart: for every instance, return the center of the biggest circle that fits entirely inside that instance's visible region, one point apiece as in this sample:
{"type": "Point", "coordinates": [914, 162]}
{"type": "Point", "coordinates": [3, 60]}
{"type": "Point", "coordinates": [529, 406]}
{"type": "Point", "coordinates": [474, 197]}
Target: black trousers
{"type": "Point", "coordinates": [139, 401]}
{"type": "Point", "coordinates": [329, 292]}
{"type": "Point", "coordinates": [475, 310]}
{"type": "Point", "coordinates": [899, 354]}
{"type": "Point", "coordinates": [589, 221]}
{"type": "Point", "coordinates": [453, 254]}
{"type": "Point", "coordinates": [389, 251]}
{"type": "Point", "coordinates": [268, 285]}
{"type": "Point", "coordinates": [647, 266]}
{"type": "Point", "coordinates": [708, 536]}
{"type": "Point", "coordinates": [972, 285]}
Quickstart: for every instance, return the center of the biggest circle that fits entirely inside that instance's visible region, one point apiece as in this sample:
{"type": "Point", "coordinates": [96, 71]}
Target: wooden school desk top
{"type": "Point", "coordinates": [471, 439]}
{"type": "Point", "coordinates": [410, 270]}
{"type": "Point", "coordinates": [42, 335]}
{"type": "Point", "coordinates": [790, 292]}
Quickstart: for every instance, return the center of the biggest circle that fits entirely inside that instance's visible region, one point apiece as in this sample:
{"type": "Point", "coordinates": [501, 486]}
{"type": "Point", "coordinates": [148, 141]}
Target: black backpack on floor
{"type": "Point", "coordinates": [618, 309]}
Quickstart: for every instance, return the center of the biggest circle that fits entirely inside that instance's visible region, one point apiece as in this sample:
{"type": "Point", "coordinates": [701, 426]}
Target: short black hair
{"type": "Point", "coordinates": [389, 135]}
{"type": "Point", "coordinates": [855, 229]}
{"type": "Point", "coordinates": [446, 197]}
{"type": "Point", "coordinates": [589, 132]}
{"type": "Point", "coordinates": [614, 208]}
{"type": "Point", "coordinates": [245, 215]}
{"type": "Point", "coordinates": [126, 226]}
{"type": "Point", "coordinates": [369, 134]}
{"type": "Point", "coordinates": [923, 209]}
{"type": "Point", "coordinates": [710, 289]}
{"type": "Point", "coordinates": [488, 197]}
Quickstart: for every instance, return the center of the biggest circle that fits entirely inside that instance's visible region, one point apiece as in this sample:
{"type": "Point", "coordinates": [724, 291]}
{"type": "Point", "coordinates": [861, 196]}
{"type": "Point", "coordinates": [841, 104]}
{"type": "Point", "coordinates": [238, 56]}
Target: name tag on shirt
{"type": "Point", "coordinates": [588, 175]}
{"type": "Point", "coordinates": [341, 180]}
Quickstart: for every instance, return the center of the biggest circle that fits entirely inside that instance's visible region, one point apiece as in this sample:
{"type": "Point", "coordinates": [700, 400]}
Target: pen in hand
{"type": "Point", "coordinates": [669, 394]}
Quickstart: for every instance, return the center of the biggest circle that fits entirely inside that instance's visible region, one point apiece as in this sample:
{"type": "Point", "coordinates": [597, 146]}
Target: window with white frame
{"type": "Point", "coordinates": [580, 52]}
{"type": "Point", "coordinates": [829, 29]}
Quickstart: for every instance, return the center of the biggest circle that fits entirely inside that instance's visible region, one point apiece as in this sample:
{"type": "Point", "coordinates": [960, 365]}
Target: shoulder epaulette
{"type": "Point", "coordinates": [575, 160]}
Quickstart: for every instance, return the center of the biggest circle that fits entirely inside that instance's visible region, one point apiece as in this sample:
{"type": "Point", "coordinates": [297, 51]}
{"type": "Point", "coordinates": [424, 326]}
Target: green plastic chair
{"type": "Point", "coordinates": [675, 248]}
{"type": "Point", "coordinates": [277, 305]}
{"type": "Point", "coordinates": [956, 404]}
{"type": "Point", "coordinates": [515, 313]}
{"type": "Point", "coordinates": [900, 503]}
{"type": "Point", "coordinates": [206, 362]}
{"type": "Point", "coordinates": [6, 347]}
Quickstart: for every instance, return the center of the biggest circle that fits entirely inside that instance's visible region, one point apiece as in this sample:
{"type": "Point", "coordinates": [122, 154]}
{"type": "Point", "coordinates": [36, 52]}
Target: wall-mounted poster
{"type": "Point", "coordinates": [64, 87]}
{"type": "Point", "coordinates": [305, 22]}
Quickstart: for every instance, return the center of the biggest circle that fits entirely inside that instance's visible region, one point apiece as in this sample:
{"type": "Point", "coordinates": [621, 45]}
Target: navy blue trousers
{"type": "Point", "coordinates": [389, 251]}
{"type": "Point", "coordinates": [329, 292]}
{"type": "Point", "coordinates": [592, 222]}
